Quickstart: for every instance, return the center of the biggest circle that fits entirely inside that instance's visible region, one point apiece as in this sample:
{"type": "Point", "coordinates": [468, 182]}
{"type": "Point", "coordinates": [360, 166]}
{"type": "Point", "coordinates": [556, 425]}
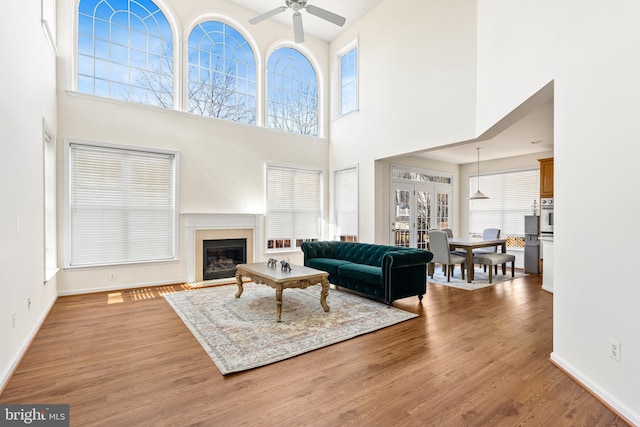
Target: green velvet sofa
{"type": "Point", "coordinates": [384, 273]}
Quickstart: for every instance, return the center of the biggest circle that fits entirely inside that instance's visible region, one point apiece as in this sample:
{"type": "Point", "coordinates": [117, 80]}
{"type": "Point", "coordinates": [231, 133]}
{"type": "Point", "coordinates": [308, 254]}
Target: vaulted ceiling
{"type": "Point", "coordinates": [527, 131]}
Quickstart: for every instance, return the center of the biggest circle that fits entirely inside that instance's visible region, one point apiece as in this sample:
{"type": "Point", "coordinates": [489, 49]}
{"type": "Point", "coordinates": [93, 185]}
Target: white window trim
{"type": "Point", "coordinates": [67, 215]}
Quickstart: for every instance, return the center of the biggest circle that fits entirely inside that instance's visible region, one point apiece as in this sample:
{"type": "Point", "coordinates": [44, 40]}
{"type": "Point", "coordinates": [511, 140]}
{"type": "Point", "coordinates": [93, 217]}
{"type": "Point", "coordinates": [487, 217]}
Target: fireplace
{"type": "Point", "coordinates": [220, 257]}
{"type": "Point", "coordinates": [198, 227]}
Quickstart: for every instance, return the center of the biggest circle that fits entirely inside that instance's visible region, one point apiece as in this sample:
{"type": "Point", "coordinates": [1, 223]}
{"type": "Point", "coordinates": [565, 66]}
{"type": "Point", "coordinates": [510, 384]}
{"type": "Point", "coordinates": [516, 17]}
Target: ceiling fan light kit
{"type": "Point", "coordinates": [296, 6]}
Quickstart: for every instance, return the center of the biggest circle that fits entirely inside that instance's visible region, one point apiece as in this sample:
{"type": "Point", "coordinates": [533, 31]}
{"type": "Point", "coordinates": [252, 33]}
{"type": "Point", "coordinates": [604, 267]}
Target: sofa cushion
{"type": "Point", "coordinates": [361, 253]}
{"type": "Point", "coordinates": [329, 265]}
{"type": "Point", "coordinates": [362, 272]}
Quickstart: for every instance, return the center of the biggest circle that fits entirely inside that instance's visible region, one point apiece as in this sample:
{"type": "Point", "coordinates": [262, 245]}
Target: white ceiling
{"type": "Point", "coordinates": [352, 10]}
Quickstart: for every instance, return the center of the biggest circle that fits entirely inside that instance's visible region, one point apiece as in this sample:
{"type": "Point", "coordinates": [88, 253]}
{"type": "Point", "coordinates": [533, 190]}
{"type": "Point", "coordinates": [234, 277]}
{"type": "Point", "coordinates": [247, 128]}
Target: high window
{"type": "Point", "coordinates": [346, 204]}
{"type": "Point", "coordinates": [222, 73]}
{"type": "Point", "coordinates": [294, 206]}
{"type": "Point", "coordinates": [121, 204]}
{"type": "Point", "coordinates": [349, 81]}
{"type": "Point", "coordinates": [511, 195]}
{"type": "Point", "coordinates": [292, 93]}
{"type": "Point", "coordinates": [125, 51]}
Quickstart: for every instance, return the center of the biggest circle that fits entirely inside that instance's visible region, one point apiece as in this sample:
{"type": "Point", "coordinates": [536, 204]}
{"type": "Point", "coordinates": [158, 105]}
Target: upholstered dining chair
{"type": "Point", "coordinates": [449, 232]}
{"type": "Point", "coordinates": [439, 246]}
{"type": "Point", "coordinates": [488, 234]}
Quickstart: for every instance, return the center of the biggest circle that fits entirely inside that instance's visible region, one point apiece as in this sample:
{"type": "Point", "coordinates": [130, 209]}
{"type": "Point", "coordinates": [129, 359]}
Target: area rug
{"type": "Point", "coordinates": [480, 280]}
{"type": "Point", "coordinates": [242, 333]}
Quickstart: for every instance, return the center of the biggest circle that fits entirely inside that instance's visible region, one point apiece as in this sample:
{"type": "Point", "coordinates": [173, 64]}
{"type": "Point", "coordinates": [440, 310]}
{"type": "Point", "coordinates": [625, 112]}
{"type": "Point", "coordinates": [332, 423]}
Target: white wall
{"type": "Point", "coordinates": [222, 164]}
{"type": "Point", "coordinates": [417, 90]}
{"type": "Point", "coordinates": [516, 48]}
{"type": "Point", "coordinates": [596, 153]}
{"type": "Point", "coordinates": [27, 85]}
{"type": "Point", "coordinates": [588, 49]}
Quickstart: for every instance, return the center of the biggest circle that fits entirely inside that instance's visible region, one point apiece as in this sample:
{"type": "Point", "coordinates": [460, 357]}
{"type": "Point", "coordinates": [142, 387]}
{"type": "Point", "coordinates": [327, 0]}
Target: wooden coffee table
{"type": "Point", "coordinates": [299, 277]}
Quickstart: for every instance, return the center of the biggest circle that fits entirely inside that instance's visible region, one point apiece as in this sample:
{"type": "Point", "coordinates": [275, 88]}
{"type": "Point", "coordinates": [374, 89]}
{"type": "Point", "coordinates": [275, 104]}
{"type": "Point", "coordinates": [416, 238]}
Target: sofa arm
{"type": "Point", "coordinates": [406, 258]}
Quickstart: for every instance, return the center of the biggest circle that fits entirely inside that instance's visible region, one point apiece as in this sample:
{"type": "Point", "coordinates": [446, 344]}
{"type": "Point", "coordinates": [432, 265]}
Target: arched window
{"type": "Point", "coordinates": [292, 92]}
{"type": "Point", "coordinates": [222, 73]}
{"type": "Point", "coordinates": [125, 51]}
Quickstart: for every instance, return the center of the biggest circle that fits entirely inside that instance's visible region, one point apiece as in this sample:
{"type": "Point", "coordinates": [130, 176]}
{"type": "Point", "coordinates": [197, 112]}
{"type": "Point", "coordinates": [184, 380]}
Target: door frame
{"type": "Point", "coordinates": [415, 180]}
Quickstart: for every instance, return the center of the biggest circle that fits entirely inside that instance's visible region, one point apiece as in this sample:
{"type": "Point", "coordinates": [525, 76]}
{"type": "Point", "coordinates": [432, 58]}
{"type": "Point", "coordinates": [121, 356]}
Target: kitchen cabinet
{"type": "Point", "coordinates": [546, 178]}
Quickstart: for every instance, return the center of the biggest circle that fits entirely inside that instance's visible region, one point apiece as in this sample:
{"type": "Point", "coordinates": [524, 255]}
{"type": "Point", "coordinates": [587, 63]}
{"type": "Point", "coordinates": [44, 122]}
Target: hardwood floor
{"type": "Point", "coordinates": [475, 358]}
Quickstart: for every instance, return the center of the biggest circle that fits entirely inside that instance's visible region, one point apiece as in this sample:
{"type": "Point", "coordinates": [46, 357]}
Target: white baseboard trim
{"type": "Point", "coordinates": [603, 395]}
{"type": "Point", "coordinates": [118, 287]}
{"type": "Point", "coordinates": [8, 372]}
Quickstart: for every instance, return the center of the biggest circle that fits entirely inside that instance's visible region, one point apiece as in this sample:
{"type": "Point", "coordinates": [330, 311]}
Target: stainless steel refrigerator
{"type": "Point", "coordinates": [531, 244]}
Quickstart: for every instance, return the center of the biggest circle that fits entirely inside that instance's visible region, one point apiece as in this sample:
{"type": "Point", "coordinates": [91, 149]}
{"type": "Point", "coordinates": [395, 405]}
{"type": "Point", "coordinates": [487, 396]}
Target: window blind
{"type": "Point", "coordinates": [122, 206]}
{"type": "Point", "coordinates": [511, 195]}
{"type": "Point", "coordinates": [294, 203]}
{"type": "Point", "coordinates": [346, 202]}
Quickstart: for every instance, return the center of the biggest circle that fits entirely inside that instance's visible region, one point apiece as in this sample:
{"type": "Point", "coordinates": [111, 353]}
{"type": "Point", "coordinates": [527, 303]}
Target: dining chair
{"type": "Point", "coordinates": [439, 246]}
{"type": "Point", "coordinates": [488, 234]}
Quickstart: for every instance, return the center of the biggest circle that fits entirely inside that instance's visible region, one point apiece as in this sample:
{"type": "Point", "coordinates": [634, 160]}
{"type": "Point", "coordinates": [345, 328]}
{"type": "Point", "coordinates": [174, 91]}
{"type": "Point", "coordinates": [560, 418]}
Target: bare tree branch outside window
{"type": "Point", "coordinates": [219, 97]}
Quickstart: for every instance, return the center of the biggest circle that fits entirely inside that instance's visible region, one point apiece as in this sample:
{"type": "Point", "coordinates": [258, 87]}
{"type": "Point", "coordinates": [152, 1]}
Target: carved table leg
{"type": "Point", "coordinates": [239, 283]}
{"type": "Point", "coordinates": [279, 300]}
{"type": "Point", "coordinates": [324, 293]}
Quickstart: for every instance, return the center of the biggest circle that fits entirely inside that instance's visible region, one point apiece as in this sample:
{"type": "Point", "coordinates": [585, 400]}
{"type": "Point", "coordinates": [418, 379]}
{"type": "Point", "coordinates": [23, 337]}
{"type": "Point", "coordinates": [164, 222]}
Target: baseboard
{"type": "Point", "coordinates": [8, 373]}
{"type": "Point", "coordinates": [624, 412]}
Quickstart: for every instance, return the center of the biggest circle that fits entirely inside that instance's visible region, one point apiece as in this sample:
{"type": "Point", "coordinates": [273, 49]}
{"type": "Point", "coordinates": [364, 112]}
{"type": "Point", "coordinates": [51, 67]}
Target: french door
{"type": "Point", "coordinates": [417, 207]}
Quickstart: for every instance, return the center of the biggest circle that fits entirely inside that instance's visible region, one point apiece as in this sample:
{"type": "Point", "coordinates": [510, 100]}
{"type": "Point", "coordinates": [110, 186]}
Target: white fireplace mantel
{"type": "Point", "coordinates": [194, 222]}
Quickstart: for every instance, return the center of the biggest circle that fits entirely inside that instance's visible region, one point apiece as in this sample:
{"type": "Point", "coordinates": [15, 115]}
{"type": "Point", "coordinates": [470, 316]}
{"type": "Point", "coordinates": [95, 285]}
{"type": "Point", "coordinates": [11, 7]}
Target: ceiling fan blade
{"type": "Point", "coordinates": [267, 15]}
{"type": "Point", "coordinates": [326, 15]}
{"type": "Point", "coordinates": [298, 31]}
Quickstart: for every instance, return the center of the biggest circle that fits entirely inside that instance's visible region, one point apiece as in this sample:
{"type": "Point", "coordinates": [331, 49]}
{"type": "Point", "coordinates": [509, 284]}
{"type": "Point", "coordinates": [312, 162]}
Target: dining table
{"type": "Point", "coordinates": [469, 244]}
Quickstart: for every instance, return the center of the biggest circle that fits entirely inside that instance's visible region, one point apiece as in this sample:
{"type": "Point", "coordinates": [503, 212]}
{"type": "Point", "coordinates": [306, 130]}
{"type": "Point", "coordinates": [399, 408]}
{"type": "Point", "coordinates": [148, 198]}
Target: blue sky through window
{"type": "Point", "coordinates": [292, 92]}
{"type": "Point", "coordinates": [125, 51]}
{"type": "Point", "coordinates": [349, 81]}
{"type": "Point", "coordinates": [222, 73]}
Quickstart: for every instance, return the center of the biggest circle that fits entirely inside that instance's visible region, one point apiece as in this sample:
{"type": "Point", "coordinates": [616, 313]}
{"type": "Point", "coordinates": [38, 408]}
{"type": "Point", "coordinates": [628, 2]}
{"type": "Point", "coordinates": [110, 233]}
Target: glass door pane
{"type": "Point", "coordinates": [423, 219]}
{"type": "Point", "coordinates": [401, 216]}
{"type": "Point", "coordinates": [442, 210]}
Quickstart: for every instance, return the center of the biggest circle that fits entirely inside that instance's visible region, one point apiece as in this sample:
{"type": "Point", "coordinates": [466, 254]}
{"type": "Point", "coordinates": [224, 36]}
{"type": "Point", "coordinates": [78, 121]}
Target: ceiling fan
{"type": "Point", "coordinates": [296, 5]}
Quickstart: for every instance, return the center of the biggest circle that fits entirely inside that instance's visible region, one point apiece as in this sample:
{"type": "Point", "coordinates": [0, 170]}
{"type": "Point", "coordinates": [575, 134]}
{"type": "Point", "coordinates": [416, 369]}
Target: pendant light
{"type": "Point", "coordinates": [478, 194]}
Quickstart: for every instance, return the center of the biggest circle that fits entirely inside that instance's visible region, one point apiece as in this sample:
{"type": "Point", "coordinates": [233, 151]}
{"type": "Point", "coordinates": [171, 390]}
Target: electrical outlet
{"type": "Point", "coordinates": [13, 320]}
{"type": "Point", "coordinates": [615, 350]}
{"type": "Point", "coordinates": [112, 276]}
